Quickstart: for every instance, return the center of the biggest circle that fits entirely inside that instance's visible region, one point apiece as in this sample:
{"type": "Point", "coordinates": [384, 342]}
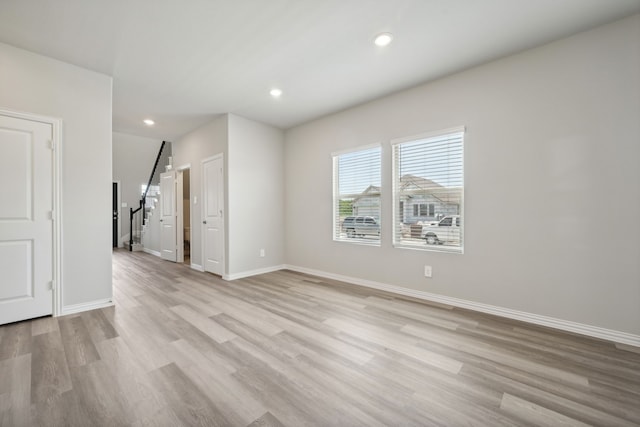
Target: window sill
{"type": "Point", "coordinates": [430, 248]}
{"type": "Point", "coordinates": [356, 241]}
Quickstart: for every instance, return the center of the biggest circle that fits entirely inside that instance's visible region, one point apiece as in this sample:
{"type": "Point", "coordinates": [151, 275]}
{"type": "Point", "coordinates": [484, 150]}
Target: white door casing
{"type": "Point", "coordinates": [179, 217]}
{"type": "Point", "coordinates": [213, 214]}
{"type": "Point", "coordinates": [168, 216]}
{"type": "Point", "coordinates": [28, 237]}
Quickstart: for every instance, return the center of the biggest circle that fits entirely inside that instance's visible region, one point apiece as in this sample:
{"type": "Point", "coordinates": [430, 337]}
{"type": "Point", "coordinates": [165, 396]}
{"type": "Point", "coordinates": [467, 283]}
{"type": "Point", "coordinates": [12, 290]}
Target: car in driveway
{"type": "Point", "coordinates": [360, 226]}
{"type": "Point", "coordinates": [447, 230]}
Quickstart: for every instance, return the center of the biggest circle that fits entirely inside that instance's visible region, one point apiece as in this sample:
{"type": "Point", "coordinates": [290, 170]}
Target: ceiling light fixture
{"type": "Point", "coordinates": [149, 122]}
{"type": "Point", "coordinates": [383, 39]}
{"type": "Point", "coordinates": [275, 92]}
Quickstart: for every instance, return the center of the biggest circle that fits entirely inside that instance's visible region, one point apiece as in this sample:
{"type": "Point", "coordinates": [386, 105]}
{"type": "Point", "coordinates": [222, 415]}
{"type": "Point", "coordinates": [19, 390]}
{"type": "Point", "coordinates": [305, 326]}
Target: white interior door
{"type": "Point", "coordinates": [26, 226]}
{"type": "Point", "coordinates": [168, 248]}
{"type": "Point", "coordinates": [213, 214]}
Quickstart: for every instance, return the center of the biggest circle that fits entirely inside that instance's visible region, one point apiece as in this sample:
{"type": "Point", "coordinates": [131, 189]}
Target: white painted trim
{"type": "Point", "coordinates": [152, 252]}
{"type": "Point", "coordinates": [56, 138]}
{"type": "Point", "coordinates": [355, 149]}
{"type": "Point", "coordinates": [255, 272]}
{"type": "Point", "coordinates": [197, 267]}
{"type": "Point", "coordinates": [183, 167]}
{"type": "Point", "coordinates": [179, 226]}
{"type": "Point", "coordinates": [57, 225]}
{"type": "Point", "coordinates": [564, 325]}
{"type": "Point", "coordinates": [429, 135]}
{"type": "Point", "coordinates": [78, 308]}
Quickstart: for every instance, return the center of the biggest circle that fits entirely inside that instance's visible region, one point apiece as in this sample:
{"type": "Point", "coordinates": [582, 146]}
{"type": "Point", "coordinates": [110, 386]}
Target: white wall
{"type": "Point", "coordinates": [254, 190]}
{"type": "Point", "coordinates": [133, 160]}
{"type": "Point", "coordinates": [255, 196]}
{"type": "Point", "coordinates": [192, 148]}
{"type": "Point", "coordinates": [82, 99]}
{"type": "Point", "coordinates": [552, 201]}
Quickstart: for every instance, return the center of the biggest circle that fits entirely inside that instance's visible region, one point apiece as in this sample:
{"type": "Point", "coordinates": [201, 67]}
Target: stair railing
{"type": "Point", "coordinates": [137, 217]}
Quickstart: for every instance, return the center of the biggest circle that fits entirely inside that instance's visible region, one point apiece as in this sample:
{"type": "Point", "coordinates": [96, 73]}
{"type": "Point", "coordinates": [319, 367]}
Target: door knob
{"type": "Point", "coordinates": [204, 222]}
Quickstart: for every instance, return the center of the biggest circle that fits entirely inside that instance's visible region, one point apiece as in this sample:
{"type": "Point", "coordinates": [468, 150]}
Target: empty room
{"type": "Point", "coordinates": [320, 213]}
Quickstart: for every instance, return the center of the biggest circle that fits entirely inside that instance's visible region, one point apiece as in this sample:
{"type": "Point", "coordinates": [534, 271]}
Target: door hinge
{"type": "Point", "coordinates": [52, 144]}
{"type": "Point", "coordinates": [52, 285]}
{"type": "Point", "coordinates": [52, 216]}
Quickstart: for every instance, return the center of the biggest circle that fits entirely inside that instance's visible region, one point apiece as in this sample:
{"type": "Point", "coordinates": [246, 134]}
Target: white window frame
{"type": "Point", "coordinates": [336, 222]}
{"type": "Point", "coordinates": [396, 216]}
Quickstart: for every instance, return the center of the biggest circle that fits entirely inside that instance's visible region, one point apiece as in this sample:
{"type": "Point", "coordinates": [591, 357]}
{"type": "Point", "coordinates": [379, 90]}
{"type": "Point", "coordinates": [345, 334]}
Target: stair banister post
{"type": "Point", "coordinates": [130, 229]}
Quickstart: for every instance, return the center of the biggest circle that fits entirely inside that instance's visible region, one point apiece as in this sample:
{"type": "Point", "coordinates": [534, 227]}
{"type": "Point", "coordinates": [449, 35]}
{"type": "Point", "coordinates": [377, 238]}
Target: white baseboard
{"type": "Point", "coordinates": [197, 267]}
{"type": "Point", "coordinates": [250, 273]}
{"type": "Point", "coordinates": [78, 308]}
{"type": "Point", "coordinates": [564, 325]}
{"type": "Point", "coordinates": [151, 251]}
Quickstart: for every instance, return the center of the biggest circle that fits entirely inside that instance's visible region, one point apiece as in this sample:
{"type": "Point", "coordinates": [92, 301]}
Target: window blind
{"type": "Point", "coordinates": [428, 191]}
{"type": "Point", "coordinates": [356, 210]}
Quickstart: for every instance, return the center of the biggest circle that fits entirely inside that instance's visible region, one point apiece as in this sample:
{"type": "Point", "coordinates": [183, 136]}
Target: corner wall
{"type": "Point", "coordinates": [551, 170]}
{"type": "Point", "coordinates": [255, 190]}
{"type": "Point", "coordinates": [82, 99]}
{"type": "Point", "coordinates": [206, 141]}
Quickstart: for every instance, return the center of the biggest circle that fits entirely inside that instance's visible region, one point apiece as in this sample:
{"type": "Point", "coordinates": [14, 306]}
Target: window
{"type": "Point", "coordinates": [356, 195]}
{"type": "Point", "coordinates": [428, 174]}
{"type": "Point", "coordinates": [446, 222]}
{"type": "Point", "coordinates": [422, 209]}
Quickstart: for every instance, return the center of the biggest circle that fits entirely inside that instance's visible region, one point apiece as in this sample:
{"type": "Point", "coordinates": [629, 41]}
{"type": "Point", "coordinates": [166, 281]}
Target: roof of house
{"type": "Point", "coordinates": [412, 185]}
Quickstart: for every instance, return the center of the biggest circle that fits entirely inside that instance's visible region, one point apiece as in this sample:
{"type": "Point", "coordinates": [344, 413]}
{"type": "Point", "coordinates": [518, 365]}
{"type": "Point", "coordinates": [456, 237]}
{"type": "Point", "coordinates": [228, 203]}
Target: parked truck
{"type": "Point", "coordinates": [447, 230]}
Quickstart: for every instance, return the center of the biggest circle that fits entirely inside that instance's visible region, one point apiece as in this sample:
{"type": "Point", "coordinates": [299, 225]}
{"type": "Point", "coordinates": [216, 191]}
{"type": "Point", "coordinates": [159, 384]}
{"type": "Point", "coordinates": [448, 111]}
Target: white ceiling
{"type": "Point", "coordinates": [182, 62]}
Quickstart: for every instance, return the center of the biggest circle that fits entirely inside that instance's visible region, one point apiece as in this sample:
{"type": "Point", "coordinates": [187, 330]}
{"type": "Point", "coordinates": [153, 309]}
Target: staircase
{"type": "Point", "coordinates": [141, 223]}
{"type": "Point", "coordinates": [140, 218]}
{"type": "Point", "coordinates": [153, 198]}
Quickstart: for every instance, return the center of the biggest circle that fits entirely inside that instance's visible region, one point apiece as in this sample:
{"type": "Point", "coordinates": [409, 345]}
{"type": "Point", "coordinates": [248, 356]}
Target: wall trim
{"type": "Point", "coordinates": [151, 251]}
{"type": "Point", "coordinates": [86, 306]}
{"type": "Point", "coordinates": [255, 272]}
{"type": "Point", "coordinates": [564, 325]}
{"type": "Point", "coordinates": [197, 267]}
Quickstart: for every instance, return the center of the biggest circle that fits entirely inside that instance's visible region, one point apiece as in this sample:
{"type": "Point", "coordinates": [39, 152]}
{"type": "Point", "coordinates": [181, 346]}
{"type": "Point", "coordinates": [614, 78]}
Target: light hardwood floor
{"type": "Point", "coordinates": [187, 348]}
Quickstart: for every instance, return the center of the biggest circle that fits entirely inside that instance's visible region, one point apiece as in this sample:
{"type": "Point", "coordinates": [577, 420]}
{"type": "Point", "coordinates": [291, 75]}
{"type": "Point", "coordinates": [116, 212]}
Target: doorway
{"type": "Point", "coordinates": [186, 216]}
{"type": "Point", "coordinates": [183, 214]}
{"type": "Point", "coordinates": [115, 208]}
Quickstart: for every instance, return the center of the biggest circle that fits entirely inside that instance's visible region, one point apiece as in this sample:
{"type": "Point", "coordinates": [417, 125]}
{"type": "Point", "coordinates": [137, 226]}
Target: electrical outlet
{"type": "Point", "coordinates": [262, 253]}
{"type": "Point", "coordinates": [427, 271]}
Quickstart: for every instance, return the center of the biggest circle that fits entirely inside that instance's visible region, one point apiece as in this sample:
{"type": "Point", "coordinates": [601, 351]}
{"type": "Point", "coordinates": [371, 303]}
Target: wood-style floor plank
{"type": "Point", "coordinates": [185, 348]}
{"type": "Point", "coordinates": [49, 369]}
{"type": "Point", "coordinates": [76, 339]}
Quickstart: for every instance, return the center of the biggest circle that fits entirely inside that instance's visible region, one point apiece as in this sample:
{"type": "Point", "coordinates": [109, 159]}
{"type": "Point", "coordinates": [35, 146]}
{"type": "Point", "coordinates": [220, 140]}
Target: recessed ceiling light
{"type": "Point", "coordinates": [383, 39]}
{"type": "Point", "coordinates": [149, 122]}
{"type": "Point", "coordinates": [275, 92]}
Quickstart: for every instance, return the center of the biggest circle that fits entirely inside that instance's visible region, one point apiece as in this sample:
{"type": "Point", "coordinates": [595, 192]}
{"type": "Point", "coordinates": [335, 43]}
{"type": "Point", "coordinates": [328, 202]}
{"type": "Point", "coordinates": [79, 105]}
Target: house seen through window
{"type": "Point", "coordinates": [428, 191]}
{"type": "Point", "coordinates": [356, 189]}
